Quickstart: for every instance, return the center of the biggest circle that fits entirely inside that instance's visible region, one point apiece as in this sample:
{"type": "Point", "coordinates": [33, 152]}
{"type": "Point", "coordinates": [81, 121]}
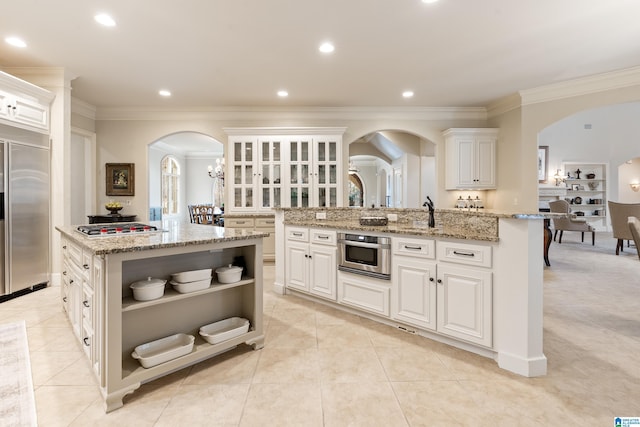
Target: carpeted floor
{"type": "Point", "coordinates": [17, 403]}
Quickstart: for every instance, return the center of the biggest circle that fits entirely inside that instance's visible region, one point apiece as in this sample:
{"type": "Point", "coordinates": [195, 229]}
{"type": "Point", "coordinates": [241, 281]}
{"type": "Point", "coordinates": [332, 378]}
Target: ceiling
{"type": "Point", "coordinates": [214, 53]}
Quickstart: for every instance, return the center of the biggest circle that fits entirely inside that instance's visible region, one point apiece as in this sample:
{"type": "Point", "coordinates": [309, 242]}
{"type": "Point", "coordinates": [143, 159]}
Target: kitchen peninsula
{"type": "Point", "coordinates": [110, 323]}
{"type": "Point", "coordinates": [474, 281]}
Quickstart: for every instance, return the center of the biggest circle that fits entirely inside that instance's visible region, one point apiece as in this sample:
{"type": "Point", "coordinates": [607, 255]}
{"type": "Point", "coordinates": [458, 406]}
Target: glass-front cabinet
{"type": "Point", "coordinates": [287, 170]}
{"type": "Point", "coordinates": [243, 173]}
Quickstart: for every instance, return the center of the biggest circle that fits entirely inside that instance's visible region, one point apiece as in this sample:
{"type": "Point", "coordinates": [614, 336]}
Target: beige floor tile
{"type": "Point", "coordinates": [61, 405]}
{"type": "Point", "coordinates": [339, 336]}
{"type": "Point", "coordinates": [234, 367]}
{"type": "Point", "coordinates": [281, 335]}
{"type": "Point", "coordinates": [350, 365]}
{"type": "Point", "coordinates": [412, 363]}
{"type": "Point", "coordinates": [46, 365]}
{"type": "Point", "coordinates": [361, 404]}
{"type": "Point", "coordinates": [205, 405]}
{"type": "Point", "coordinates": [287, 366]}
{"type": "Point", "coordinates": [295, 405]}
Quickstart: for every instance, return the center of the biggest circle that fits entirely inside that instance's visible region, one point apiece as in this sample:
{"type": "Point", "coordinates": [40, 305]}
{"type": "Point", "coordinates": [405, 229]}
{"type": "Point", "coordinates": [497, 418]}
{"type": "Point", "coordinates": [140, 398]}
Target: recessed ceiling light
{"type": "Point", "coordinates": [327, 47]}
{"type": "Point", "coordinates": [164, 92]}
{"type": "Point", "coordinates": [407, 94]}
{"type": "Point", "coordinates": [429, 1]}
{"type": "Point", "coordinates": [15, 41]}
{"type": "Point", "coordinates": [105, 20]}
{"type": "Point", "coordinates": [283, 93]}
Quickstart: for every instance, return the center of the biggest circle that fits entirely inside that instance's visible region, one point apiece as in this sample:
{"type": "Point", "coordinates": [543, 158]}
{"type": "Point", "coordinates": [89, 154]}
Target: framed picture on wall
{"type": "Point", "coordinates": [543, 163]}
{"type": "Point", "coordinates": [120, 179]}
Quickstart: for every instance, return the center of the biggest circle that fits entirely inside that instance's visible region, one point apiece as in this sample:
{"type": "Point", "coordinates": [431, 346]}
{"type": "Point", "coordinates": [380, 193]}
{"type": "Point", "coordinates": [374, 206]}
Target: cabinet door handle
{"type": "Point", "coordinates": [85, 303]}
{"type": "Point", "coordinates": [431, 279]}
{"type": "Point", "coordinates": [413, 248]}
{"type": "Point", "coordinates": [64, 247]}
{"type": "Point", "coordinates": [85, 340]}
{"type": "Point", "coordinates": [64, 273]}
{"type": "Point", "coordinates": [71, 281]}
{"type": "Point", "coordinates": [471, 254]}
{"type": "Point", "coordinates": [64, 299]}
{"type": "Point", "coordinates": [85, 266]}
{"type": "Point", "coordinates": [440, 281]}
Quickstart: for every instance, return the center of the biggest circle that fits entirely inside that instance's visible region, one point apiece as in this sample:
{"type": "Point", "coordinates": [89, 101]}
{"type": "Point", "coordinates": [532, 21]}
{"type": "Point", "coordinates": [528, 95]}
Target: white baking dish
{"type": "Point", "coordinates": [191, 276]}
{"type": "Point", "coordinates": [229, 274]}
{"type": "Point", "coordinates": [163, 350]}
{"type": "Point", "coordinates": [147, 290]}
{"type": "Point", "coordinates": [223, 330]}
{"type": "Point", "coordinates": [185, 288]}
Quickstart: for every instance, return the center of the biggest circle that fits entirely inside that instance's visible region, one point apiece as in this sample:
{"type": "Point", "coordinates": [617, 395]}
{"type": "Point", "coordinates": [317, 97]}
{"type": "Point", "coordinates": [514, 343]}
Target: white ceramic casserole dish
{"type": "Point", "coordinates": [229, 274]}
{"type": "Point", "coordinates": [147, 290]}
{"type": "Point", "coordinates": [159, 351]}
{"type": "Point", "coordinates": [191, 276]}
{"type": "Point", "coordinates": [185, 288]}
{"type": "Point", "coordinates": [223, 330]}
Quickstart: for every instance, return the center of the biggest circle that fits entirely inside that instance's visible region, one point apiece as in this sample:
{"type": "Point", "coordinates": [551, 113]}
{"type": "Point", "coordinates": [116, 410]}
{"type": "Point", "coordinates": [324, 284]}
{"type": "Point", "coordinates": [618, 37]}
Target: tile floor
{"type": "Point", "coordinates": [321, 367]}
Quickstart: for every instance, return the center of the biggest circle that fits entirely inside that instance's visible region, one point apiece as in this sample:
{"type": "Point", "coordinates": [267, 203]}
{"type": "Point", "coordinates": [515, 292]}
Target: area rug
{"type": "Point", "coordinates": [17, 402]}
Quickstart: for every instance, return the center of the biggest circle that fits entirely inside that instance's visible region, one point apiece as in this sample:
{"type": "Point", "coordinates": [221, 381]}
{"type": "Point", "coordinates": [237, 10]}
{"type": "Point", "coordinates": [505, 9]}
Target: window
{"type": "Point", "coordinates": [170, 185]}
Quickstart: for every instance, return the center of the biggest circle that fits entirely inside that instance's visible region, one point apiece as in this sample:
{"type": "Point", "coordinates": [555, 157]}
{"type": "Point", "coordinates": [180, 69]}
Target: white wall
{"type": "Point", "coordinates": [199, 185]}
{"type": "Point", "coordinates": [628, 173]}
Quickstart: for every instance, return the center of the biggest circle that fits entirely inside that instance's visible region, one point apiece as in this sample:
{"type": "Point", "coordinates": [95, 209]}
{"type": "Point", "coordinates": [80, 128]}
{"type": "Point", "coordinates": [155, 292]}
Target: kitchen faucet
{"type": "Point", "coordinates": [429, 204]}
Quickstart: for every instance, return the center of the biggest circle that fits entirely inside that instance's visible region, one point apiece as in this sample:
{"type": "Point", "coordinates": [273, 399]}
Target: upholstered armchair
{"type": "Point", "coordinates": [619, 214]}
{"type": "Point", "coordinates": [569, 223]}
{"type": "Point", "coordinates": [634, 227]}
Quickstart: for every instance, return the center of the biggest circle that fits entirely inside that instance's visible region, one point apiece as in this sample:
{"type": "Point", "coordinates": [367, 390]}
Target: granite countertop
{"type": "Point", "coordinates": [400, 228]}
{"type": "Point", "coordinates": [249, 215]}
{"type": "Point", "coordinates": [174, 234]}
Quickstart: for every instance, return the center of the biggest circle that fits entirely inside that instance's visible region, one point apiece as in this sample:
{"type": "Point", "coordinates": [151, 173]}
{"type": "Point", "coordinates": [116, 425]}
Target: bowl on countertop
{"type": "Point", "coordinates": [147, 290]}
{"type": "Point", "coordinates": [191, 276]}
{"type": "Point", "coordinates": [229, 274]}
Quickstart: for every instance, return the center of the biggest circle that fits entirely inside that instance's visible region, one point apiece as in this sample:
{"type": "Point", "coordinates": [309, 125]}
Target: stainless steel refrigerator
{"type": "Point", "coordinates": [24, 210]}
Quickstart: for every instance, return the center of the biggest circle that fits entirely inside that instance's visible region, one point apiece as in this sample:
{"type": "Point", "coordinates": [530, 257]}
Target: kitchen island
{"type": "Point", "coordinates": [474, 281]}
{"type": "Point", "coordinates": [110, 323]}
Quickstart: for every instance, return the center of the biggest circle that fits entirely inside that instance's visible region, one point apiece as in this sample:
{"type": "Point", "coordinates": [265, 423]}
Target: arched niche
{"type": "Point", "coordinates": [386, 156]}
{"type": "Point", "coordinates": [195, 152]}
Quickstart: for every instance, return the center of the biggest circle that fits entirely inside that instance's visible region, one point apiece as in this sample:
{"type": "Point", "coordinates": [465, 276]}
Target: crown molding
{"type": "Point", "coordinates": [83, 109]}
{"type": "Point", "coordinates": [284, 130]}
{"type": "Point", "coordinates": [301, 113]}
{"type": "Point", "coordinates": [582, 86]}
{"type": "Point", "coordinates": [504, 105]}
{"type": "Point", "coordinates": [17, 85]}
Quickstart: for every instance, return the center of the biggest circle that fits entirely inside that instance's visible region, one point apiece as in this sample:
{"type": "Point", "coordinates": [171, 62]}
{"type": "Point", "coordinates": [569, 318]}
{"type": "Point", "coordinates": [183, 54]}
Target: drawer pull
{"type": "Point", "coordinates": [323, 237]}
{"type": "Point", "coordinates": [270, 222]}
{"type": "Point", "coordinates": [85, 266]}
{"type": "Point", "coordinates": [471, 254]}
{"type": "Point", "coordinates": [413, 248]}
{"type": "Point", "coordinates": [297, 234]}
{"type": "Point", "coordinates": [85, 303]}
{"type": "Point", "coordinates": [240, 222]}
{"type": "Point", "coordinates": [85, 340]}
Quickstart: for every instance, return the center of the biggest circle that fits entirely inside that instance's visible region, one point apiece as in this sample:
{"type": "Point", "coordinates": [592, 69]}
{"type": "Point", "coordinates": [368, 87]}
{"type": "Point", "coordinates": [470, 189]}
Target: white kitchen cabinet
{"type": "Point", "coordinates": [257, 223]}
{"type": "Point", "coordinates": [364, 293]}
{"type": "Point", "coordinates": [465, 303]}
{"type": "Point", "coordinates": [413, 294]}
{"type": "Point", "coordinates": [314, 177]}
{"type": "Point", "coordinates": [311, 261]}
{"type": "Point", "coordinates": [305, 164]}
{"type": "Point", "coordinates": [470, 158]}
{"type": "Point", "coordinates": [23, 104]}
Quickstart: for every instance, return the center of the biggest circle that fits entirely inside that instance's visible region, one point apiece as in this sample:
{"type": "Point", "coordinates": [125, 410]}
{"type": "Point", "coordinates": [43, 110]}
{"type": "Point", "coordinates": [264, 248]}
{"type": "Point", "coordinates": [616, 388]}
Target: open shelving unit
{"type": "Point", "coordinates": [587, 196]}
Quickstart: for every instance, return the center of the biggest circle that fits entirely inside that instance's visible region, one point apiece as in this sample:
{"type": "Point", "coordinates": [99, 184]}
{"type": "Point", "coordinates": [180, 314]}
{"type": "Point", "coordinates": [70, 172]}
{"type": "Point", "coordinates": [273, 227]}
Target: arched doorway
{"type": "Point", "coordinates": [194, 153]}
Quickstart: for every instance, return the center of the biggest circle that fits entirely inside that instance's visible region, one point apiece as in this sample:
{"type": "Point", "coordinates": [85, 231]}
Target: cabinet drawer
{"type": "Point", "coordinates": [323, 237]}
{"type": "Point", "coordinates": [463, 253]}
{"type": "Point", "coordinates": [414, 247]}
{"type": "Point", "coordinates": [298, 234]}
{"type": "Point", "coordinates": [239, 222]}
{"type": "Point", "coordinates": [265, 222]}
{"type": "Point", "coordinates": [366, 294]}
{"type": "Point", "coordinates": [74, 252]}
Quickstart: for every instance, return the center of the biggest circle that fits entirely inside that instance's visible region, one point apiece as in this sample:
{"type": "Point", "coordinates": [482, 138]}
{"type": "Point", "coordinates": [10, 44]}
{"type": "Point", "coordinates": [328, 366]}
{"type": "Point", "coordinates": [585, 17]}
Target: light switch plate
{"type": "Point", "coordinates": [392, 217]}
{"type": "Point", "coordinates": [321, 215]}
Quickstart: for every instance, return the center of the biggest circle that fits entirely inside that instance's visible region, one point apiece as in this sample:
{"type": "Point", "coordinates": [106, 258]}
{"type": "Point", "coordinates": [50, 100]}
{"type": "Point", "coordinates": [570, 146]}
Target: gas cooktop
{"type": "Point", "coordinates": [117, 229]}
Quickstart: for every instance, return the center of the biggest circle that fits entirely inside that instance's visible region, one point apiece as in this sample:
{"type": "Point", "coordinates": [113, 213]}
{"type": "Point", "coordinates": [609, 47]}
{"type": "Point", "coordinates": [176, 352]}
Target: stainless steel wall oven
{"type": "Point", "coordinates": [368, 255]}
